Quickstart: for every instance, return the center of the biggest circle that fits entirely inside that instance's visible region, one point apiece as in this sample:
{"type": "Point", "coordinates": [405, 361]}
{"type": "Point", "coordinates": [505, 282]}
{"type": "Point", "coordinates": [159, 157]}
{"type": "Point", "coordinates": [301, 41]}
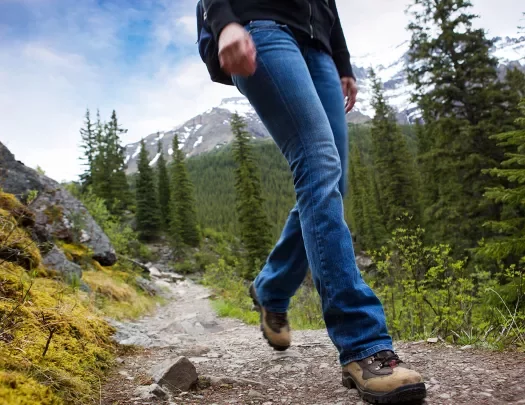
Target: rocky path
{"type": "Point", "coordinates": [236, 366]}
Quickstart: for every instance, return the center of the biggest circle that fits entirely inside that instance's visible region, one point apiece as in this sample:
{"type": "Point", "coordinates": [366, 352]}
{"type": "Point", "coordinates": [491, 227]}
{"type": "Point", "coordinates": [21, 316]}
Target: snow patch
{"type": "Point", "coordinates": [170, 151]}
{"type": "Point", "coordinates": [154, 159]}
{"type": "Point", "coordinates": [197, 142]}
{"type": "Point", "coordinates": [137, 151]}
{"type": "Point", "coordinates": [237, 105]}
{"type": "Point", "coordinates": [197, 127]}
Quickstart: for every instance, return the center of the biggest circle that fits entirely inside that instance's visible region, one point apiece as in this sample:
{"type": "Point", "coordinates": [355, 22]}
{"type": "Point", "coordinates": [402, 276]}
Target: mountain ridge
{"type": "Point", "coordinates": [211, 129]}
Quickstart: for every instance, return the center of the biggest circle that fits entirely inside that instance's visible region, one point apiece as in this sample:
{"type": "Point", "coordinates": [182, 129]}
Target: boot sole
{"type": "Point", "coordinates": [257, 307]}
{"type": "Point", "coordinates": [407, 394]}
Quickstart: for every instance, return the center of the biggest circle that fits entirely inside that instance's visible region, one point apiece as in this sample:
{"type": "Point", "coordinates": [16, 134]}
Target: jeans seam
{"type": "Point", "coordinates": [321, 252]}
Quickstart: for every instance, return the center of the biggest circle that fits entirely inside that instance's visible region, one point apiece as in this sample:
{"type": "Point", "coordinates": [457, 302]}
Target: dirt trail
{"type": "Point", "coordinates": [308, 373]}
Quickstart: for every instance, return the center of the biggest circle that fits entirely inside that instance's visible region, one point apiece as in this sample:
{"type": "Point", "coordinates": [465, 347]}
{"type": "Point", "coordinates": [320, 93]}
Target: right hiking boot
{"type": "Point", "coordinates": [384, 379]}
{"type": "Point", "coordinates": [274, 325]}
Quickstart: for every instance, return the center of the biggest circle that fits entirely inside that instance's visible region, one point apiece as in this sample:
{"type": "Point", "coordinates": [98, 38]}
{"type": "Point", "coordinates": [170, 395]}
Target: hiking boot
{"type": "Point", "coordinates": [274, 325]}
{"type": "Point", "coordinates": [384, 379]}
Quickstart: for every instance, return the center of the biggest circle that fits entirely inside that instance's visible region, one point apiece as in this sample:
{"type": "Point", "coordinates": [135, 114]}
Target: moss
{"type": "Point", "coordinates": [54, 214]}
{"type": "Point", "coordinates": [18, 389]}
{"type": "Point", "coordinates": [77, 253]}
{"type": "Point", "coordinates": [16, 244]}
{"type": "Point", "coordinates": [79, 352]}
{"type": "Point", "coordinates": [23, 215]}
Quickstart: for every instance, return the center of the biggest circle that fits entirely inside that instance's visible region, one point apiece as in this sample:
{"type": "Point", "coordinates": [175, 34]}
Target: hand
{"type": "Point", "coordinates": [350, 92]}
{"type": "Point", "coordinates": [237, 51]}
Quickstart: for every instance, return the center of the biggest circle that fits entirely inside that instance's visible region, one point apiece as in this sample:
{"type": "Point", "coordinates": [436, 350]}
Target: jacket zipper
{"type": "Point", "coordinates": [310, 21]}
{"type": "Point", "coordinates": [205, 13]}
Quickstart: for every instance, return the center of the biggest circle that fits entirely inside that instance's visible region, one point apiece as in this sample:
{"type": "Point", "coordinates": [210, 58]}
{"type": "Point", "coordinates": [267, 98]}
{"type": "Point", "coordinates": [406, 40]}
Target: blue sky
{"type": "Point", "coordinates": [59, 57]}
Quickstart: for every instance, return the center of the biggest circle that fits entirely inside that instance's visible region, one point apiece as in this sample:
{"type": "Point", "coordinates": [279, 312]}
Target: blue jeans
{"type": "Point", "coordinates": [296, 91]}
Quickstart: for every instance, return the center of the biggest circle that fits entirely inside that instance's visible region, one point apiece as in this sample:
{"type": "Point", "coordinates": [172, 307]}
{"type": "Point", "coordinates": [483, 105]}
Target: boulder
{"type": "Point", "coordinates": [57, 213]}
{"type": "Point", "coordinates": [56, 260]}
{"type": "Point", "coordinates": [175, 375]}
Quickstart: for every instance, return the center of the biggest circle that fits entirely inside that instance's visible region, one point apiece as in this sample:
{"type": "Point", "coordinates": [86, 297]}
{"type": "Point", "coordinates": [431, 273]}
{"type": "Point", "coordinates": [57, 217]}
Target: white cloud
{"type": "Point", "coordinates": [377, 24]}
{"type": "Point", "coordinates": [47, 84]}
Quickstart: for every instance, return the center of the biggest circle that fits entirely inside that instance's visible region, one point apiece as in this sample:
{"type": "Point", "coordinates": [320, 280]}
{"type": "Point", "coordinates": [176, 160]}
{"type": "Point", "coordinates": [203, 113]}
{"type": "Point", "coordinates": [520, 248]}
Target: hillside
{"type": "Point", "coordinates": [213, 176]}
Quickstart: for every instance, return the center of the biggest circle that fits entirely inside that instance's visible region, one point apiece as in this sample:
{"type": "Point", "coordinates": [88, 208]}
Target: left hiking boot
{"type": "Point", "coordinates": [274, 325]}
{"type": "Point", "coordinates": [384, 379]}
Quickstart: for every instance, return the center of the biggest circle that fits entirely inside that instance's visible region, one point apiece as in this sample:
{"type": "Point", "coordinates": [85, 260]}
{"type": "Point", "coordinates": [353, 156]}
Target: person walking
{"type": "Point", "coordinates": [290, 59]}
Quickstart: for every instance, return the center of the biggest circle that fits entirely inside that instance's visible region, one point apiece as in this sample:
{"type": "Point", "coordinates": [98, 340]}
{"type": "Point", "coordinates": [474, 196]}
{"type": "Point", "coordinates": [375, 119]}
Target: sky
{"type": "Point", "coordinates": [138, 57]}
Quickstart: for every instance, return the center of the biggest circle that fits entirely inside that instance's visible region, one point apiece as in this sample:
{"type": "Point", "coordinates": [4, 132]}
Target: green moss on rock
{"type": "Point", "coordinates": [23, 215]}
{"type": "Point", "coordinates": [16, 244]}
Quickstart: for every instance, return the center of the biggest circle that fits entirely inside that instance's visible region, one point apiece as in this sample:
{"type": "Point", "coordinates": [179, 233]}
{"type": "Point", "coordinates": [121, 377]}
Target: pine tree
{"type": "Point", "coordinates": [120, 192]}
{"type": "Point", "coordinates": [462, 104]}
{"type": "Point", "coordinates": [101, 172]}
{"type": "Point", "coordinates": [163, 187]}
{"type": "Point", "coordinates": [148, 213]}
{"type": "Point", "coordinates": [509, 240]}
{"type": "Point", "coordinates": [88, 145]}
{"type": "Point", "coordinates": [184, 217]}
{"type": "Point", "coordinates": [109, 168]}
{"type": "Point", "coordinates": [365, 220]}
{"type": "Point", "coordinates": [393, 165]}
{"type": "Point", "coordinates": [255, 229]}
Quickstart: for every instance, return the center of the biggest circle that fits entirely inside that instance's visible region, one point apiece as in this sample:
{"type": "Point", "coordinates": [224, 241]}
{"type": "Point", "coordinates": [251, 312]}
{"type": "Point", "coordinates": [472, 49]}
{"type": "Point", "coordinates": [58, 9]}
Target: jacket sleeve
{"type": "Point", "coordinates": [219, 14]}
{"type": "Point", "coordinates": [340, 53]}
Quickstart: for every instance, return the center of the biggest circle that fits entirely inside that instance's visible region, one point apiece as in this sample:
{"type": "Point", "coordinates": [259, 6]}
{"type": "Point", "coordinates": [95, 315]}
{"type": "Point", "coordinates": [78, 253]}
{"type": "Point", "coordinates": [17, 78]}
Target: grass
{"type": "Point", "coordinates": [234, 302]}
{"type": "Point", "coordinates": [114, 298]}
{"type": "Point", "coordinates": [230, 310]}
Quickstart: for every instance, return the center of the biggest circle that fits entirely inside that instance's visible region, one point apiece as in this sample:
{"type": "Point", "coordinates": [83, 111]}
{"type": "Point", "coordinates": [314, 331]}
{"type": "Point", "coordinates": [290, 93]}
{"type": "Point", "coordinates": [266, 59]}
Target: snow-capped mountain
{"type": "Point", "coordinates": [211, 129]}
{"type": "Point", "coordinates": [202, 133]}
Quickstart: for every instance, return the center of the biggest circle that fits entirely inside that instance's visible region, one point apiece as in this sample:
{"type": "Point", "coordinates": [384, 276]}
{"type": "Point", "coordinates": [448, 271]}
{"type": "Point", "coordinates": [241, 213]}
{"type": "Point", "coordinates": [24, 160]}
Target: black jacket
{"type": "Point", "coordinates": [316, 19]}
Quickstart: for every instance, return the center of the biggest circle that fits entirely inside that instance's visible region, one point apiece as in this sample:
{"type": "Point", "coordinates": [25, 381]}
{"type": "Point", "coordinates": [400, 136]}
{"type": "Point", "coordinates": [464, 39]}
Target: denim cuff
{"type": "Point", "coordinates": [366, 353]}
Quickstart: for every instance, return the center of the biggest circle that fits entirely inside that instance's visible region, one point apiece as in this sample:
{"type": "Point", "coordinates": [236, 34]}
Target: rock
{"type": "Point", "coordinates": [151, 392]}
{"type": "Point", "coordinates": [158, 391]}
{"type": "Point", "coordinates": [363, 262]}
{"type": "Point", "coordinates": [172, 276]}
{"type": "Point", "coordinates": [255, 394]}
{"type": "Point", "coordinates": [148, 286]}
{"type": "Point", "coordinates": [466, 347]}
{"type": "Point", "coordinates": [56, 260]}
{"type": "Point", "coordinates": [153, 271]}
{"type": "Point", "coordinates": [175, 375]}
{"type": "Point", "coordinates": [57, 213]}
{"type": "Point", "coordinates": [445, 396]}
{"type": "Point", "coordinates": [432, 340]}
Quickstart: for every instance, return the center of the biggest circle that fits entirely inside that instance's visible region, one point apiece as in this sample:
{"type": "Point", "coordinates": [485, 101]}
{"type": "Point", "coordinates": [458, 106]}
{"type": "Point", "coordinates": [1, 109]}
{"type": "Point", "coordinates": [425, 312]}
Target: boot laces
{"type": "Point", "coordinates": [279, 319]}
{"type": "Point", "coordinates": [387, 359]}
